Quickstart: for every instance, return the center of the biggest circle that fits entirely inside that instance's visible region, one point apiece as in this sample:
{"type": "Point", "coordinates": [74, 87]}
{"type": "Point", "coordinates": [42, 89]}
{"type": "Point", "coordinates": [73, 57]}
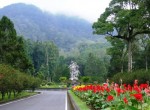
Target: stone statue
{"type": "Point", "coordinates": [74, 71]}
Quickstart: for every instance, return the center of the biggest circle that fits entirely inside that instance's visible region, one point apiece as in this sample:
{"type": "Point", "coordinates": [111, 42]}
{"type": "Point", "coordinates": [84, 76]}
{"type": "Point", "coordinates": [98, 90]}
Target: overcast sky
{"type": "Point", "coordinates": [87, 9]}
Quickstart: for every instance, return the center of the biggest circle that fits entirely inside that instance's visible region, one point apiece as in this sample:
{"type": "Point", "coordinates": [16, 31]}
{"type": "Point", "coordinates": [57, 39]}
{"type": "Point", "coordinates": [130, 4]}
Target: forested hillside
{"type": "Point", "coordinates": [33, 23]}
{"type": "Point", "coordinates": [55, 40]}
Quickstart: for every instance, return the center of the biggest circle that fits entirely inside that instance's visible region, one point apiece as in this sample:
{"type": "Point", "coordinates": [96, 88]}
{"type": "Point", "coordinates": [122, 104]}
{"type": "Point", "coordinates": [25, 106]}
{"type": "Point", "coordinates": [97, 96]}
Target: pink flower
{"type": "Point", "coordinates": [147, 91]}
{"type": "Point", "coordinates": [136, 82]}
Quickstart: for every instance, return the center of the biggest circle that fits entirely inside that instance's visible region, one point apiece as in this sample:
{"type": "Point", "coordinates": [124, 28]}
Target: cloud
{"type": "Point", "coordinates": [87, 9]}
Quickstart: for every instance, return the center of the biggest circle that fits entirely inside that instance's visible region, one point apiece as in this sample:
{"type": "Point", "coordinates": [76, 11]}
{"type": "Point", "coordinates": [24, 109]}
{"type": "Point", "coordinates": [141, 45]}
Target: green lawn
{"type": "Point", "coordinates": [82, 105]}
{"type": "Point", "coordinates": [19, 96]}
{"type": "Point", "coordinates": [53, 86]}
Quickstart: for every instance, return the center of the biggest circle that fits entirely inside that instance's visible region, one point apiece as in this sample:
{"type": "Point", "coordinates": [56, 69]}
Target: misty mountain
{"type": "Point", "coordinates": [35, 24]}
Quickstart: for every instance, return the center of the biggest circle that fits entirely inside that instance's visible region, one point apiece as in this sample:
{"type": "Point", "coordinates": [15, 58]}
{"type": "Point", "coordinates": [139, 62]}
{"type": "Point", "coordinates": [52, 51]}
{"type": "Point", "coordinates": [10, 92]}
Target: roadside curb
{"type": "Point", "coordinates": [72, 102]}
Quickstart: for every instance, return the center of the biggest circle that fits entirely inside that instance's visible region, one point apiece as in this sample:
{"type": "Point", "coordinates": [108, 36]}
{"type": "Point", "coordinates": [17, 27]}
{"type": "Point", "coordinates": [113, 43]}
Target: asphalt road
{"type": "Point", "coordinates": [47, 100]}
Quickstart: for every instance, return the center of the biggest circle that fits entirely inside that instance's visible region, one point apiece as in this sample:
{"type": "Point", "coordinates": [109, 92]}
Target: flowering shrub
{"type": "Point", "coordinates": [115, 97]}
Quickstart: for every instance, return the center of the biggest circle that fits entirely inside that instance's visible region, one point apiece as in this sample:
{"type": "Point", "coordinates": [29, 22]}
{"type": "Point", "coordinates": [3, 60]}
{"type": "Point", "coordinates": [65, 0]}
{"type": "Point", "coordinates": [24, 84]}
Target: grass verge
{"type": "Point", "coordinates": [53, 86]}
{"type": "Point", "coordinates": [23, 94]}
{"type": "Point", "coordinates": [82, 105]}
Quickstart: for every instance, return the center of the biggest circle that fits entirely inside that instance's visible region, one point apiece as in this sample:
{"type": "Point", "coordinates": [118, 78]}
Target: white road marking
{"type": "Point", "coordinates": [66, 102]}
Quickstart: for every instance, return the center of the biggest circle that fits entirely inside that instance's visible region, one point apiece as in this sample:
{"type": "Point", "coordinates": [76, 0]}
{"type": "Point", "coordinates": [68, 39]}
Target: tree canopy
{"type": "Point", "coordinates": [124, 19]}
{"type": "Point", "coordinates": [12, 47]}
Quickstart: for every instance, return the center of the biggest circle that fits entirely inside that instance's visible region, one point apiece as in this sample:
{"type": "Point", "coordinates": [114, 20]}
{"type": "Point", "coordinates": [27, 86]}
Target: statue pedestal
{"type": "Point", "coordinates": [74, 82]}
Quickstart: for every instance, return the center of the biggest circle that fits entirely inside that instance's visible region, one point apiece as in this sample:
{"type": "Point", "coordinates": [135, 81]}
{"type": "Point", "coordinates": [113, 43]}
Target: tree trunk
{"type": "Point", "coordinates": [122, 68]}
{"type": "Point", "coordinates": [146, 63]}
{"type": "Point", "coordinates": [122, 62]}
{"type": "Point", "coordinates": [129, 56]}
{"type": "Point", "coordinates": [14, 93]}
{"type": "Point", "coordinates": [9, 94]}
{"type": "Point", "coordinates": [47, 64]}
{"type": "Point", "coordinates": [3, 95]}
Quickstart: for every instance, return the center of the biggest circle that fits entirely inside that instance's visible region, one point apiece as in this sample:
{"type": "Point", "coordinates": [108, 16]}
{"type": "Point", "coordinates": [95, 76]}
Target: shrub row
{"type": "Point", "coordinates": [141, 75]}
{"type": "Point", "coordinates": [14, 81]}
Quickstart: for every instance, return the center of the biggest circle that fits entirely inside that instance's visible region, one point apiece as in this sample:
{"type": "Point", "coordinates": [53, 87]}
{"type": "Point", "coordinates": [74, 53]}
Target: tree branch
{"type": "Point", "coordinates": [141, 32]}
{"type": "Point", "coordinates": [109, 34]}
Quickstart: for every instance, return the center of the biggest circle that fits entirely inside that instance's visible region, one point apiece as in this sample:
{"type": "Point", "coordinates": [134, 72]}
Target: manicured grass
{"type": "Point", "coordinates": [18, 96]}
{"type": "Point", "coordinates": [82, 105]}
{"type": "Point", "coordinates": [53, 86]}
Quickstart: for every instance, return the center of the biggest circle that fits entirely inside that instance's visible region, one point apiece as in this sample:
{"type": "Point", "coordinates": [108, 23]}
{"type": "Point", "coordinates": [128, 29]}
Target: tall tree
{"type": "Point", "coordinates": [51, 57]}
{"type": "Point", "coordinates": [144, 43]}
{"type": "Point", "coordinates": [37, 55]}
{"type": "Point", "coordinates": [118, 53]}
{"type": "Point", "coordinates": [44, 56]}
{"type": "Point", "coordinates": [12, 47]}
{"type": "Point", "coordinates": [8, 39]}
{"type": "Point", "coordinates": [61, 69]}
{"type": "Point", "coordinates": [95, 68]}
{"type": "Point", "coordinates": [124, 19]}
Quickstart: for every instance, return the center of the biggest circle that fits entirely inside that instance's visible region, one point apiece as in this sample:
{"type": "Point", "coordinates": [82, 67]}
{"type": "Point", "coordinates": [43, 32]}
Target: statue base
{"type": "Point", "coordinates": [74, 82]}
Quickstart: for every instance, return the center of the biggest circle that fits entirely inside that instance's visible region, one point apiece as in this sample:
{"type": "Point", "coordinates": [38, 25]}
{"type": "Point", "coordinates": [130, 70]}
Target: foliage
{"type": "Point", "coordinates": [124, 19]}
{"type": "Point", "coordinates": [85, 79]}
{"type": "Point", "coordinates": [141, 75]}
{"type": "Point", "coordinates": [44, 56]}
{"type": "Point", "coordinates": [95, 68]}
{"type": "Point", "coordinates": [61, 69]}
{"type": "Point", "coordinates": [62, 79]}
{"type": "Point", "coordinates": [53, 85]}
{"type": "Point", "coordinates": [141, 59]}
{"type": "Point", "coordinates": [118, 53]}
{"type": "Point", "coordinates": [46, 61]}
{"type": "Point", "coordinates": [12, 50]}
{"type": "Point", "coordinates": [23, 94]}
{"type": "Point", "coordinates": [12, 80]}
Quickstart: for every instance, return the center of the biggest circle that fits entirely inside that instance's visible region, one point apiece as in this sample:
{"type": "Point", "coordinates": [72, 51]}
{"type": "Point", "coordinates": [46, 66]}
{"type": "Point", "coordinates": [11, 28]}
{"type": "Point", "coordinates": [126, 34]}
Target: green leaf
{"type": "Point", "coordinates": [131, 108]}
{"type": "Point", "coordinates": [120, 107]}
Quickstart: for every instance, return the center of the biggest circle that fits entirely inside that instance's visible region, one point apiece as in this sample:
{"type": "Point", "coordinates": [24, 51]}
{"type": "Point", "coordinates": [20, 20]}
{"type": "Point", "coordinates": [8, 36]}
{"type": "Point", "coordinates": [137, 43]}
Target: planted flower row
{"type": "Point", "coordinates": [114, 96]}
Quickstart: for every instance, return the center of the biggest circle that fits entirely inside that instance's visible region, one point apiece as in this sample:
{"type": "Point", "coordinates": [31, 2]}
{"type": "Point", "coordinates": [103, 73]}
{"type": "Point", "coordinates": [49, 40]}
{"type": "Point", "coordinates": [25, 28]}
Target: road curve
{"type": "Point", "coordinates": [47, 100]}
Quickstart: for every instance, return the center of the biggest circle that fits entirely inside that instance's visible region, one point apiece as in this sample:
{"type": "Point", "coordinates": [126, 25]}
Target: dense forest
{"type": "Point", "coordinates": [42, 59]}
{"type": "Point", "coordinates": [125, 24]}
{"type": "Point", "coordinates": [50, 48]}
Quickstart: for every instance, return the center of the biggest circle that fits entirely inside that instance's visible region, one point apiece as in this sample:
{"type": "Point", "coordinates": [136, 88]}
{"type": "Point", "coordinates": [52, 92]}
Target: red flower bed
{"type": "Point", "coordinates": [114, 96]}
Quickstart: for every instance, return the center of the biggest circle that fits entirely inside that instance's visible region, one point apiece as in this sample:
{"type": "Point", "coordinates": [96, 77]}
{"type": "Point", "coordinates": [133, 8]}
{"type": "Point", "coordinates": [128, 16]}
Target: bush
{"type": "Point", "coordinates": [141, 75]}
{"type": "Point", "coordinates": [34, 83]}
{"type": "Point", "coordinates": [43, 84]}
{"type": "Point", "coordinates": [85, 79]}
{"type": "Point", "coordinates": [63, 79]}
{"type": "Point", "coordinates": [50, 83]}
{"type": "Point", "coordinates": [12, 80]}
